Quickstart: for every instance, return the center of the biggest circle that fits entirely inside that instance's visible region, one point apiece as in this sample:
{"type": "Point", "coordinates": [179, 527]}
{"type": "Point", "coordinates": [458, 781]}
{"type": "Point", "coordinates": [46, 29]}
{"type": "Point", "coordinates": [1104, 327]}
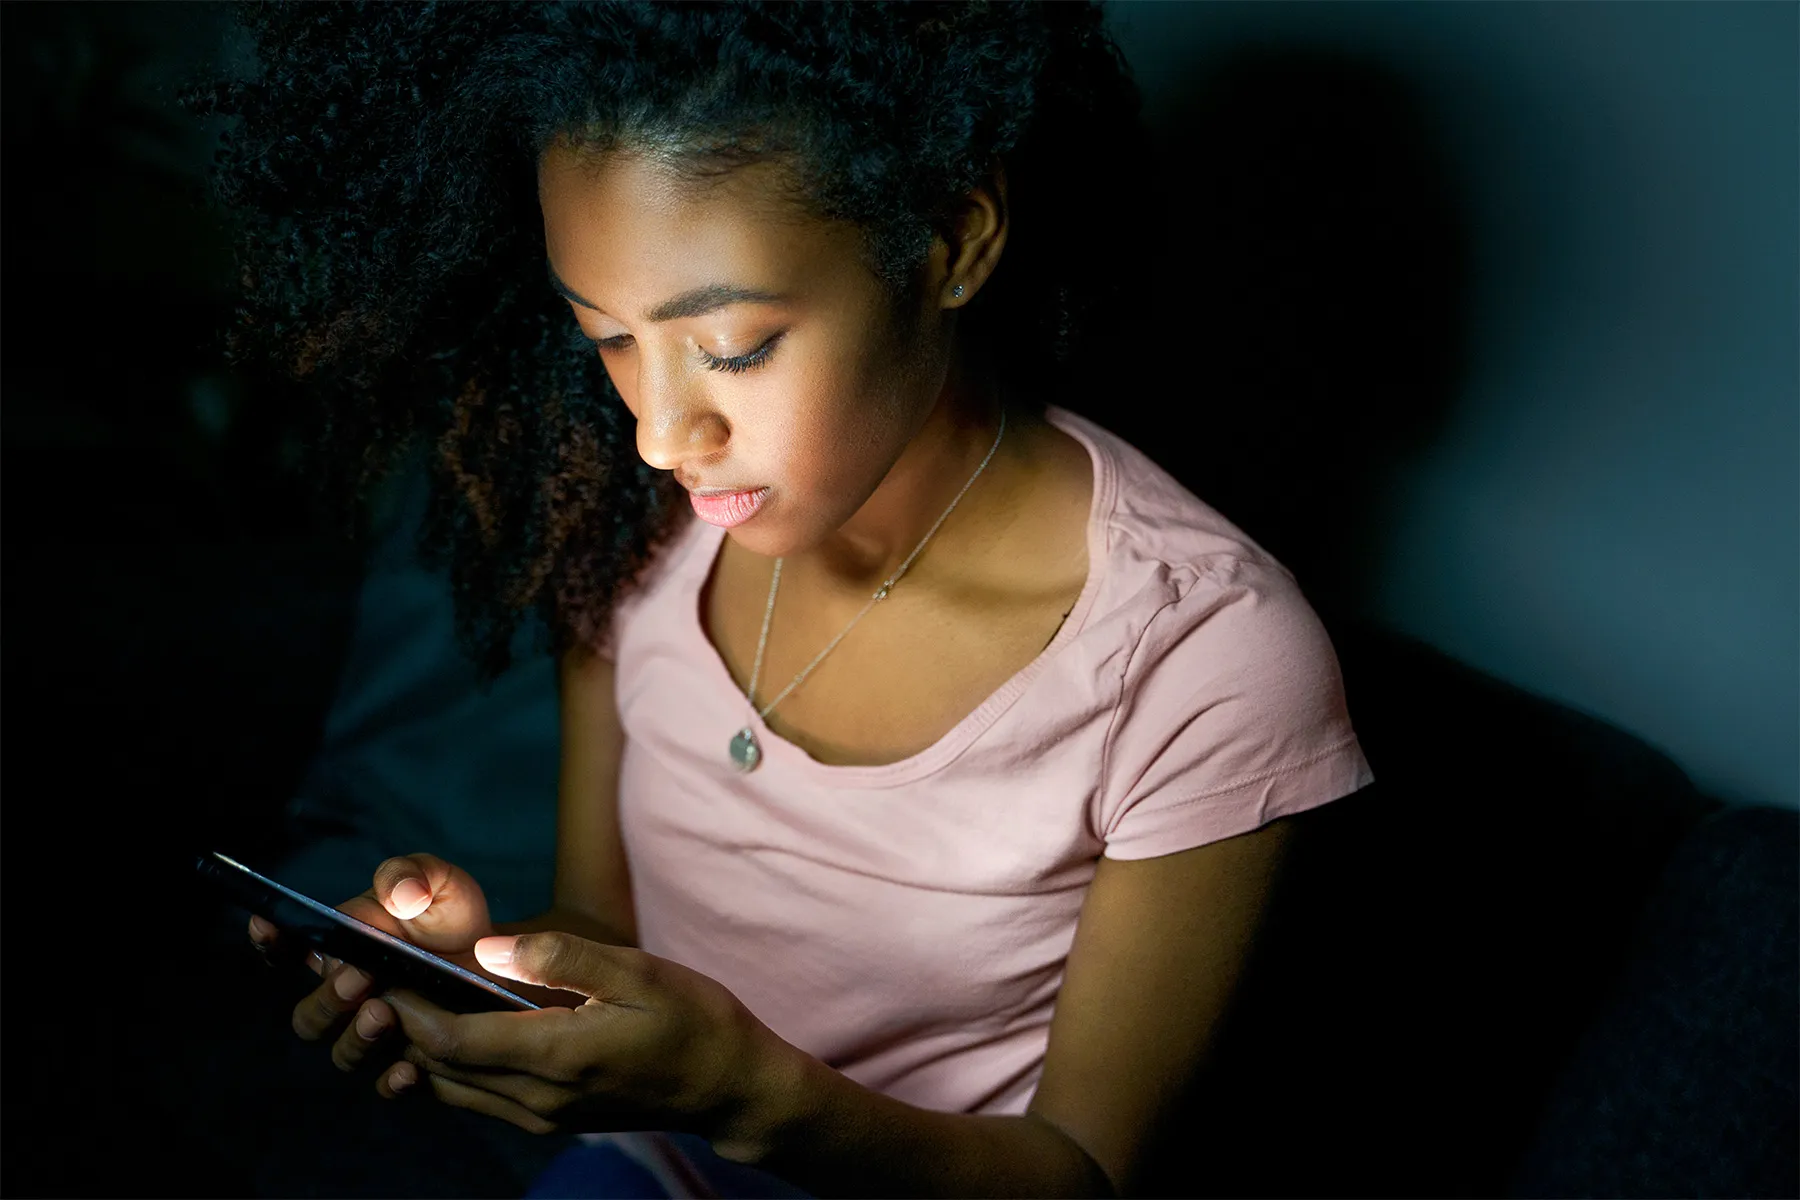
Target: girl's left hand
{"type": "Point", "coordinates": [656, 1045]}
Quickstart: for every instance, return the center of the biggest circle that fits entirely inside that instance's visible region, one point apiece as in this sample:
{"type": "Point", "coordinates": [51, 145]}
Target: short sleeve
{"type": "Point", "coordinates": [1231, 714]}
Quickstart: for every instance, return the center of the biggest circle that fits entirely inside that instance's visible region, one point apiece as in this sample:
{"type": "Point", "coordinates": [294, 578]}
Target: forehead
{"type": "Point", "coordinates": [634, 230]}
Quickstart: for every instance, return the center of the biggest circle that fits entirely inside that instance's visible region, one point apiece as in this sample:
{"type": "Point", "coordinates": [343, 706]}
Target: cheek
{"type": "Point", "coordinates": [846, 420]}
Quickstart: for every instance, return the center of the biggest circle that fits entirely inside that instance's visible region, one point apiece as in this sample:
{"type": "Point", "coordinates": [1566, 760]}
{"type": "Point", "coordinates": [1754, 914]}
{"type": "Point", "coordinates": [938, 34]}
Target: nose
{"type": "Point", "coordinates": [675, 424]}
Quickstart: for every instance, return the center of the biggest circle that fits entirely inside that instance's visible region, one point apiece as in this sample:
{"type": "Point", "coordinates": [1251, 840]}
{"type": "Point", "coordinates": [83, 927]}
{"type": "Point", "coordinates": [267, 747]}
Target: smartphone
{"type": "Point", "coordinates": [391, 961]}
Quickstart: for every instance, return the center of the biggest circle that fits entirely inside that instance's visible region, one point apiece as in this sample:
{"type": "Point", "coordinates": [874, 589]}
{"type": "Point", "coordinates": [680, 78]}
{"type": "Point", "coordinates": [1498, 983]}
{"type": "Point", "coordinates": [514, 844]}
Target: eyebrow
{"type": "Point", "coordinates": [695, 302]}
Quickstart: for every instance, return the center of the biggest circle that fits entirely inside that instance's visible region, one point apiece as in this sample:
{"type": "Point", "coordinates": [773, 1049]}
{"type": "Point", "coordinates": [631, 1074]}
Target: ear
{"type": "Point", "coordinates": [970, 242]}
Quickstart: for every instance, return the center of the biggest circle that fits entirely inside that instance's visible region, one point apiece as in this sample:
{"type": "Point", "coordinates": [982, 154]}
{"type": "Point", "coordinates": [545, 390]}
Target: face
{"type": "Point", "coordinates": [762, 360]}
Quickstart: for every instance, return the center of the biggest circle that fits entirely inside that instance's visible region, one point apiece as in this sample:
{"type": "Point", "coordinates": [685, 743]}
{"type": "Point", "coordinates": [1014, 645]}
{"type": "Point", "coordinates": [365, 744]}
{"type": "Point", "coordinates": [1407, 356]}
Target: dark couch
{"type": "Point", "coordinates": [1531, 959]}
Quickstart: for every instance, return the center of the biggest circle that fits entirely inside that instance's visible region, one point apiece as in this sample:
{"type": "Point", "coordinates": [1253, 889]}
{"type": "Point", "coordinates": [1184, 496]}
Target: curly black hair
{"type": "Point", "coordinates": [381, 173]}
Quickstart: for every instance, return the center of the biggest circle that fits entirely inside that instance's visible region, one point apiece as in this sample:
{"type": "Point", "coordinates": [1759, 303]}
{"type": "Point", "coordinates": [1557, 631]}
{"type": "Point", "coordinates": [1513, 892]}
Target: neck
{"type": "Point", "coordinates": [954, 437]}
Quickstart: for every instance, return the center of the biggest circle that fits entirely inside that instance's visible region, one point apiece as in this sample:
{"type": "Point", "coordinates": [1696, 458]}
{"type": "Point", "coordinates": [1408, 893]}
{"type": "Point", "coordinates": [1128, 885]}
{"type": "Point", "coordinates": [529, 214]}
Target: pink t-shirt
{"type": "Point", "coordinates": [908, 923]}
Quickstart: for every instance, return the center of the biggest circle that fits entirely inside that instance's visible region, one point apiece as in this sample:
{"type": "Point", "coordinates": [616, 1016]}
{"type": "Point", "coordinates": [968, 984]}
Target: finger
{"type": "Point", "coordinates": [405, 886]}
{"type": "Point", "coordinates": [553, 959]}
{"type": "Point", "coordinates": [327, 1006]}
{"type": "Point", "coordinates": [322, 964]}
{"type": "Point", "coordinates": [364, 1036]}
{"type": "Point", "coordinates": [367, 909]}
{"type": "Point", "coordinates": [528, 1042]}
{"type": "Point", "coordinates": [539, 1095]}
{"type": "Point", "coordinates": [276, 950]}
{"type": "Point", "coordinates": [461, 1095]}
{"type": "Point", "coordinates": [420, 1021]}
{"type": "Point", "coordinates": [397, 1079]}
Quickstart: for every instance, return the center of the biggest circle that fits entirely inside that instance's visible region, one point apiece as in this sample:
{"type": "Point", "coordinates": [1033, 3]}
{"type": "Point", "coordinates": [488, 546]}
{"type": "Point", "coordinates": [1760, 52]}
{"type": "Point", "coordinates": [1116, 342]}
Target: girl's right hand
{"type": "Point", "coordinates": [419, 897]}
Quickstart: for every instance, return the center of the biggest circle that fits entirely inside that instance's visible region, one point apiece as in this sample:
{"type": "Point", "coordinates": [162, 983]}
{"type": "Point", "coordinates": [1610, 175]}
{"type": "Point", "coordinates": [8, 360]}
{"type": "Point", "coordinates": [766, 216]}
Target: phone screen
{"type": "Point", "coordinates": [391, 961]}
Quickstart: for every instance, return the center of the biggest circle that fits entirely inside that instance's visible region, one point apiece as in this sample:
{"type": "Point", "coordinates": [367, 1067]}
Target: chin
{"type": "Point", "coordinates": [770, 540]}
{"type": "Point", "coordinates": [769, 535]}
{"type": "Point", "coordinates": [747, 540]}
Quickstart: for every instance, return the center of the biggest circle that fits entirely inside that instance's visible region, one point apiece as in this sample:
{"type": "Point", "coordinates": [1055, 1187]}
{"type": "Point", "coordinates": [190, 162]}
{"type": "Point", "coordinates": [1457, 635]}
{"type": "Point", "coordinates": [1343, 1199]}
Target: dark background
{"type": "Point", "coordinates": [177, 613]}
{"type": "Point", "coordinates": [174, 610]}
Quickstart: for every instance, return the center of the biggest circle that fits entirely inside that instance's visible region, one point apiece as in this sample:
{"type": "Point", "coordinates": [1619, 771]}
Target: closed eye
{"type": "Point", "coordinates": [735, 363]}
{"type": "Point", "coordinates": [742, 362]}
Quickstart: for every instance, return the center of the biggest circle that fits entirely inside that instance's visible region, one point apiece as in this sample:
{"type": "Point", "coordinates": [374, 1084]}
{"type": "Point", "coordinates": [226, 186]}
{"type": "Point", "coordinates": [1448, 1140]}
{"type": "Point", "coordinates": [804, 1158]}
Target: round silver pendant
{"type": "Point", "coordinates": [745, 753]}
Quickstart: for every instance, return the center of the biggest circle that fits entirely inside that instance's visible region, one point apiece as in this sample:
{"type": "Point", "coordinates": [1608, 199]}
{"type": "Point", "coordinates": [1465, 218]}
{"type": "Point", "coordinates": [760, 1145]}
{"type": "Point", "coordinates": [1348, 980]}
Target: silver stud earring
{"type": "Point", "coordinates": [957, 290]}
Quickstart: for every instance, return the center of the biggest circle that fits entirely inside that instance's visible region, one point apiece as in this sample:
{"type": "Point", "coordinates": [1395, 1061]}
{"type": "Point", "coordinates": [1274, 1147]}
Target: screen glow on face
{"type": "Point", "coordinates": [752, 344]}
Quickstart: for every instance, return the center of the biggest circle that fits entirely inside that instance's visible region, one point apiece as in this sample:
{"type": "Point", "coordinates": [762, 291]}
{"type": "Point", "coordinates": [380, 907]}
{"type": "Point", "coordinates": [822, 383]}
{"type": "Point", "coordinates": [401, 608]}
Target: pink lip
{"type": "Point", "coordinates": [728, 509]}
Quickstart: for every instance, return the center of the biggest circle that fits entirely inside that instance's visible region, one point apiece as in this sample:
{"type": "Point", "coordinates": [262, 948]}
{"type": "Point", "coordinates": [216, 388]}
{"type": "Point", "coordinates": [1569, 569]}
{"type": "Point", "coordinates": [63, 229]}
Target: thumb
{"type": "Point", "coordinates": [559, 960]}
{"type": "Point", "coordinates": [407, 884]}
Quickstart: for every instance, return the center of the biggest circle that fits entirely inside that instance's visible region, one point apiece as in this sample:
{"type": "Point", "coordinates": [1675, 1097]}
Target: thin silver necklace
{"type": "Point", "coordinates": [746, 751]}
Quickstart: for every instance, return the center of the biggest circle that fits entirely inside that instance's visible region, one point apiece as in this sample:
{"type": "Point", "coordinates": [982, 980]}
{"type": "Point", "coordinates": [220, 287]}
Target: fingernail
{"type": "Point", "coordinates": [349, 983]}
{"type": "Point", "coordinates": [368, 1025]}
{"type": "Point", "coordinates": [409, 894]}
{"type": "Point", "coordinates": [400, 1079]}
{"type": "Point", "coordinates": [260, 930]}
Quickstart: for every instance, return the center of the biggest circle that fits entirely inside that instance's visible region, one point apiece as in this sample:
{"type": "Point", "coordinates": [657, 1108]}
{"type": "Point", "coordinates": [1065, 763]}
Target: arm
{"type": "Point", "coordinates": [1150, 977]}
{"type": "Point", "coordinates": [592, 894]}
{"type": "Point", "coordinates": [1156, 958]}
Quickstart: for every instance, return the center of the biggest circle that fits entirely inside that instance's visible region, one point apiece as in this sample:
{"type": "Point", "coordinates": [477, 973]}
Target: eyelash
{"type": "Point", "coordinates": [742, 362]}
{"type": "Point", "coordinates": [735, 364]}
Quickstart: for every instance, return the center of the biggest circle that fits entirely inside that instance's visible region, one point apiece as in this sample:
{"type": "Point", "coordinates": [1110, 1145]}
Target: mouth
{"type": "Point", "coordinates": [727, 507]}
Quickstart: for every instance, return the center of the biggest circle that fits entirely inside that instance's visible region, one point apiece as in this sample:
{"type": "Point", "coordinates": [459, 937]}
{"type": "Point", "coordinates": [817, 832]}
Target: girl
{"type": "Point", "coordinates": [925, 746]}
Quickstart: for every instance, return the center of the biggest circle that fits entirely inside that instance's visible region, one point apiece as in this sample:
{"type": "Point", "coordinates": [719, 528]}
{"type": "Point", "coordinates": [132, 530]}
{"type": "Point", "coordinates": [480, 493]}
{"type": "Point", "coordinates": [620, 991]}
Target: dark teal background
{"type": "Point", "coordinates": [1609, 510]}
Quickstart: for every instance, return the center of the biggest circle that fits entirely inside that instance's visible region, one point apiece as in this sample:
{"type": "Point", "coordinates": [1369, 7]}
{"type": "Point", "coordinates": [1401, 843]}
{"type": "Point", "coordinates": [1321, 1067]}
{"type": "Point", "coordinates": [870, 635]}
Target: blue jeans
{"type": "Point", "coordinates": [660, 1166]}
